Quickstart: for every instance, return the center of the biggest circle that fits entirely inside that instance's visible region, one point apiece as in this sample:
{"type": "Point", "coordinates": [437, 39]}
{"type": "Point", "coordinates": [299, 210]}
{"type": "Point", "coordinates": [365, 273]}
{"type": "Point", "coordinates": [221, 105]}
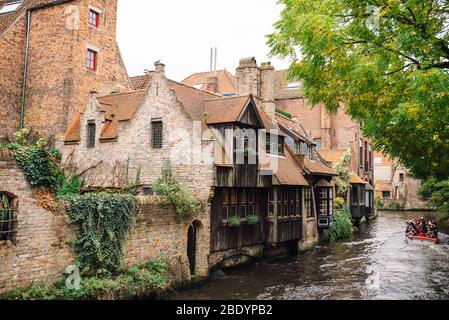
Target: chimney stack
{"type": "Point", "coordinates": [212, 84]}
{"type": "Point", "coordinates": [159, 67]}
{"type": "Point", "coordinates": [248, 77]}
{"type": "Point", "coordinates": [267, 88]}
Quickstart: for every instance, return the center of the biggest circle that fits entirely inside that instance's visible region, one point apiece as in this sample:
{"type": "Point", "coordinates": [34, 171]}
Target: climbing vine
{"type": "Point", "coordinates": [174, 193]}
{"type": "Point", "coordinates": [343, 174]}
{"type": "Point", "coordinates": [104, 220]}
{"type": "Point", "coordinates": [38, 160]}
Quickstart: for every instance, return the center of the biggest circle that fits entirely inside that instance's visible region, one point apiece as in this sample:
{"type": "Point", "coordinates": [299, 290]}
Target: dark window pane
{"type": "Point", "coordinates": [156, 134]}
{"type": "Point", "coordinates": [91, 130]}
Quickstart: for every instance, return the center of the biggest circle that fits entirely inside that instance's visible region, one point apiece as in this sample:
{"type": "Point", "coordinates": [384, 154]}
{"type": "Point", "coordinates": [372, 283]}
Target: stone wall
{"type": "Point", "coordinates": [12, 53]}
{"type": "Point", "coordinates": [40, 251]}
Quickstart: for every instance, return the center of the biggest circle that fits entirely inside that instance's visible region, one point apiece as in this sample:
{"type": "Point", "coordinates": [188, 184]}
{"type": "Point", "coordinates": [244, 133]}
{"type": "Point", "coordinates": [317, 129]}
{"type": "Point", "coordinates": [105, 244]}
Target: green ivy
{"type": "Point", "coordinates": [175, 194]}
{"type": "Point", "coordinates": [72, 186]}
{"type": "Point", "coordinates": [151, 277]}
{"type": "Point", "coordinates": [342, 227]}
{"type": "Point", "coordinates": [104, 220]}
{"type": "Point", "coordinates": [38, 160]}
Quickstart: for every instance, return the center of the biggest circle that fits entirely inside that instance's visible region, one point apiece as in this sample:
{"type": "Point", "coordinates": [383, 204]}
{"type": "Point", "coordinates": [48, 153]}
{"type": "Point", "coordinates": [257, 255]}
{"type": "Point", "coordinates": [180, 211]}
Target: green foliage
{"type": "Point", "coordinates": [234, 221]}
{"type": "Point", "coordinates": [342, 227]}
{"type": "Point", "coordinates": [252, 220]}
{"type": "Point", "coordinates": [71, 186]}
{"type": "Point", "coordinates": [38, 160]}
{"type": "Point", "coordinates": [343, 174]}
{"type": "Point", "coordinates": [437, 191]}
{"type": "Point", "coordinates": [285, 114]}
{"type": "Point", "coordinates": [340, 203]}
{"type": "Point", "coordinates": [104, 219]}
{"type": "Point", "coordinates": [175, 194]}
{"type": "Point", "coordinates": [391, 74]}
{"type": "Point", "coordinates": [141, 280]}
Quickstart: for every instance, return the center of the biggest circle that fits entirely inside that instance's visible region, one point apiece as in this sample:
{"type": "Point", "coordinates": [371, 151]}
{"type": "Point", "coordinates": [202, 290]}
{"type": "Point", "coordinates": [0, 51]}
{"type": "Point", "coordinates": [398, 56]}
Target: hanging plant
{"type": "Point", "coordinates": [104, 220]}
{"type": "Point", "coordinates": [234, 221]}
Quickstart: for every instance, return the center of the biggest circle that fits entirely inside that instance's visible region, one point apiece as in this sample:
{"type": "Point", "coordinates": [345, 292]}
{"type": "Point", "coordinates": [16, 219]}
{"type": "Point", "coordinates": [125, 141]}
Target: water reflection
{"type": "Point", "coordinates": [378, 263]}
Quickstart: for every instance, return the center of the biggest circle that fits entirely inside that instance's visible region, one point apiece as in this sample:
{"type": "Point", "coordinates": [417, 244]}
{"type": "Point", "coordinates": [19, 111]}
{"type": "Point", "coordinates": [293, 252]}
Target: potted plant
{"type": "Point", "coordinates": [234, 221]}
{"type": "Point", "coordinates": [252, 220]}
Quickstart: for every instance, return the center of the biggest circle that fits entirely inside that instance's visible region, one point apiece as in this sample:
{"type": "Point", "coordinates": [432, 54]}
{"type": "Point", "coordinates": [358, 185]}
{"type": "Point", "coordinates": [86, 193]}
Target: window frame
{"type": "Point", "coordinates": [232, 203]}
{"type": "Point", "coordinates": [308, 202]}
{"type": "Point", "coordinates": [96, 15]}
{"type": "Point", "coordinates": [92, 60]}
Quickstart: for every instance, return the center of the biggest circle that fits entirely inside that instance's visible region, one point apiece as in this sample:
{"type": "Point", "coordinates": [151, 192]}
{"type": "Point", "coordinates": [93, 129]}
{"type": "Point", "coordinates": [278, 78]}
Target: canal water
{"type": "Point", "coordinates": [377, 263]}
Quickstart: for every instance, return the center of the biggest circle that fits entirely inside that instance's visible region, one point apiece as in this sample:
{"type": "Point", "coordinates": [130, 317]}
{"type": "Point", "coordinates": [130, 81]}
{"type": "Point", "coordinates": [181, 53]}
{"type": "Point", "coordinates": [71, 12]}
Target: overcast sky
{"type": "Point", "coordinates": [181, 32]}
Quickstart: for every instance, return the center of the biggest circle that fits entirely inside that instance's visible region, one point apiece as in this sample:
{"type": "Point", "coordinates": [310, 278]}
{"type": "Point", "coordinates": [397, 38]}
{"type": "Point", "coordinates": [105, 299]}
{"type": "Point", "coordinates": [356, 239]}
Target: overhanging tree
{"type": "Point", "coordinates": [387, 62]}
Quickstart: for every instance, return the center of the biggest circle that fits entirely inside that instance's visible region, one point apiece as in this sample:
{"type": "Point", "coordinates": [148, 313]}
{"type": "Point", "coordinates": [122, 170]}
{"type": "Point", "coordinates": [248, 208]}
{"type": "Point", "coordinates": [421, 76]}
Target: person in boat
{"type": "Point", "coordinates": [432, 231]}
{"type": "Point", "coordinates": [422, 228]}
{"type": "Point", "coordinates": [411, 228]}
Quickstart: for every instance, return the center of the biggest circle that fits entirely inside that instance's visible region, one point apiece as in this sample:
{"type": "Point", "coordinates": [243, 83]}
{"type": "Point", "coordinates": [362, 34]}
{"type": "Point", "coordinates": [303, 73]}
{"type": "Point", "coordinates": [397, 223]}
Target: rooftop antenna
{"type": "Point", "coordinates": [211, 61]}
{"type": "Point", "coordinates": [215, 63]}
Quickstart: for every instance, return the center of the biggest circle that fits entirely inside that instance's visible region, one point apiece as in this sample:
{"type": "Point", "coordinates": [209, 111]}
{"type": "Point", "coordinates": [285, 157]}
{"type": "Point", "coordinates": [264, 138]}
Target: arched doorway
{"type": "Point", "coordinates": [191, 247]}
{"type": "Point", "coordinates": [8, 216]}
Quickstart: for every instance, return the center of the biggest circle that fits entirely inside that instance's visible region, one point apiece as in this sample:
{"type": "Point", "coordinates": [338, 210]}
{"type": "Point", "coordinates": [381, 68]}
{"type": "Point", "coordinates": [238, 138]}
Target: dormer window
{"type": "Point", "coordinates": [198, 85]}
{"type": "Point", "coordinates": [274, 145]}
{"type": "Point", "coordinates": [10, 7]}
{"type": "Point", "coordinates": [307, 149]}
{"type": "Point", "coordinates": [91, 132]}
{"type": "Point", "coordinates": [94, 18]}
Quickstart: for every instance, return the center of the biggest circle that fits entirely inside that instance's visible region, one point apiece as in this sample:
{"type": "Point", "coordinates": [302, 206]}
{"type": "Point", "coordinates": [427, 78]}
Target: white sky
{"type": "Point", "coordinates": [180, 33]}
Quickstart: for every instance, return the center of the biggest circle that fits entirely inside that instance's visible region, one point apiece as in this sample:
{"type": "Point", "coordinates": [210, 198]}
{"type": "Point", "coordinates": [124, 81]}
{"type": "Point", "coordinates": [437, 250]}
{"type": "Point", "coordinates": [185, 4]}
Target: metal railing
{"type": "Point", "coordinates": [8, 226]}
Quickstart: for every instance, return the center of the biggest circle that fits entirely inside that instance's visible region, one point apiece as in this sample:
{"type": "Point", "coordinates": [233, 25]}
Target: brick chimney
{"type": "Point", "coordinates": [267, 88]}
{"type": "Point", "coordinates": [212, 84]}
{"type": "Point", "coordinates": [159, 67]}
{"type": "Point", "coordinates": [248, 77]}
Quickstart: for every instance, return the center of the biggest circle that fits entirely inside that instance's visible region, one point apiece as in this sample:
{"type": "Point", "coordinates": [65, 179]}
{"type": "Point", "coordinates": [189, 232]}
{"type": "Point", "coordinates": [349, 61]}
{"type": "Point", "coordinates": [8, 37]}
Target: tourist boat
{"type": "Point", "coordinates": [434, 240]}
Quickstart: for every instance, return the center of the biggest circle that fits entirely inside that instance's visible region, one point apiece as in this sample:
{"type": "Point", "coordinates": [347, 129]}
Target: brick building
{"type": "Point", "coordinates": [52, 53]}
{"type": "Point", "coordinates": [395, 187]}
{"type": "Point", "coordinates": [331, 134]}
{"type": "Point", "coordinates": [163, 120]}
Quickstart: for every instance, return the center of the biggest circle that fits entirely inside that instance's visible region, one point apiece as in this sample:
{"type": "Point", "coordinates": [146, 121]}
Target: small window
{"type": "Point", "coordinates": [156, 134]}
{"type": "Point", "coordinates": [401, 177]}
{"type": "Point", "coordinates": [94, 18]}
{"type": "Point", "coordinates": [293, 85]}
{"type": "Point", "coordinates": [318, 143]}
{"type": "Point", "coordinates": [198, 85]}
{"type": "Point", "coordinates": [386, 194]}
{"type": "Point", "coordinates": [91, 131]}
{"type": "Point", "coordinates": [7, 218]}
{"type": "Point", "coordinates": [308, 202]}
{"type": "Point", "coordinates": [274, 146]}
{"type": "Point", "coordinates": [91, 61]}
{"type": "Point", "coordinates": [361, 153]}
{"type": "Point", "coordinates": [10, 7]}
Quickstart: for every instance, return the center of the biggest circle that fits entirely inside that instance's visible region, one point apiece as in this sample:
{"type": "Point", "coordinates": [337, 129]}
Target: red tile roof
{"type": "Point", "coordinates": [289, 171]}
{"type": "Point", "coordinates": [226, 81]}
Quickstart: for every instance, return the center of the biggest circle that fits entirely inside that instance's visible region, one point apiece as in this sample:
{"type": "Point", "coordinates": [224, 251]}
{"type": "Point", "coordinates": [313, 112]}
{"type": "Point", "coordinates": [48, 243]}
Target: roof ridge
{"type": "Point", "coordinates": [193, 88]}
{"type": "Point", "coordinates": [120, 93]}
